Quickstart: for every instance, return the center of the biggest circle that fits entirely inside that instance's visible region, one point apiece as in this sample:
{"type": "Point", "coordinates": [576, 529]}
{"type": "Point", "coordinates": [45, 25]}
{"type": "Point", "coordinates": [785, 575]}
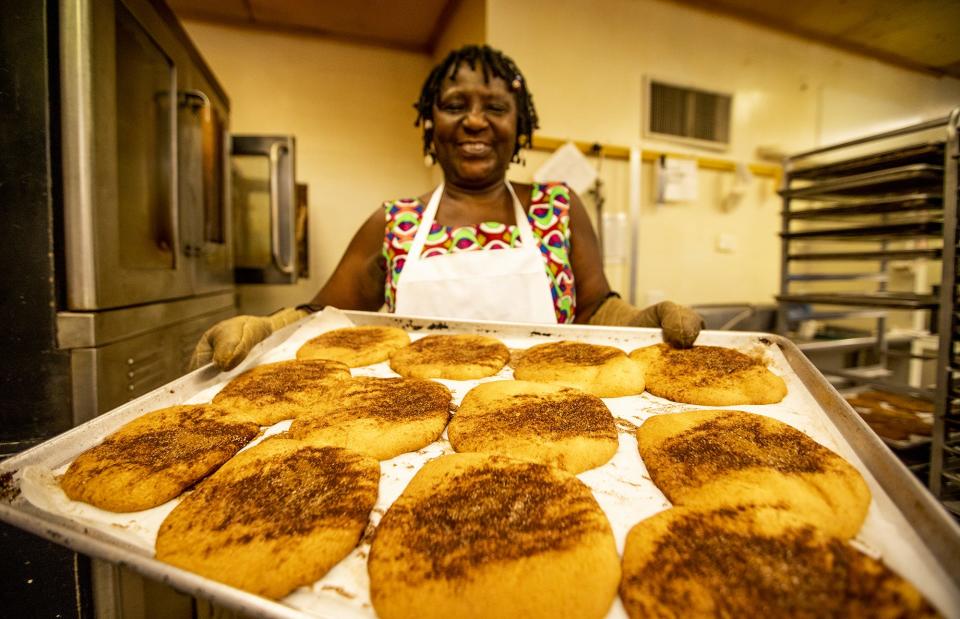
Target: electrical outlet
{"type": "Point", "coordinates": [726, 243]}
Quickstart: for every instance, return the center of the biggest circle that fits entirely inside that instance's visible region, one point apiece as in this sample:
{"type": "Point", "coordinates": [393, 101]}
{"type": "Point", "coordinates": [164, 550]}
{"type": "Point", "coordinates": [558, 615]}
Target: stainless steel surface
{"type": "Point", "coordinates": [904, 300]}
{"type": "Point", "coordinates": [275, 264]}
{"type": "Point", "coordinates": [893, 254]}
{"type": "Point", "coordinates": [88, 329]}
{"type": "Point", "coordinates": [930, 152]}
{"type": "Point", "coordinates": [281, 235]}
{"type": "Point", "coordinates": [80, 166]}
{"type": "Point", "coordinates": [937, 531]}
{"type": "Point", "coordinates": [128, 238]}
{"type": "Point", "coordinates": [889, 181]}
{"type": "Point", "coordinates": [912, 202]}
{"type": "Point", "coordinates": [871, 231]}
{"type": "Point", "coordinates": [935, 526]}
{"type": "Point", "coordinates": [929, 186]}
{"type": "Point", "coordinates": [930, 124]}
{"type": "Point", "coordinates": [115, 373]}
{"type": "Point", "coordinates": [941, 459]}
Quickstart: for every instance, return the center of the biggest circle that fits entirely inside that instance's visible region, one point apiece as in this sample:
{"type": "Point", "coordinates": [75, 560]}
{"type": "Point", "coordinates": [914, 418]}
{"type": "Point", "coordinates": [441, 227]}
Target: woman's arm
{"type": "Point", "coordinates": [357, 282]}
{"type": "Point", "coordinates": [595, 304]}
{"type": "Point", "coordinates": [587, 263]}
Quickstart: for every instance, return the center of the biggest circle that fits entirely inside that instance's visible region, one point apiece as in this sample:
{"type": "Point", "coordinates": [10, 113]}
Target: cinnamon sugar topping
{"type": "Point", "coordinates": [494, 513]}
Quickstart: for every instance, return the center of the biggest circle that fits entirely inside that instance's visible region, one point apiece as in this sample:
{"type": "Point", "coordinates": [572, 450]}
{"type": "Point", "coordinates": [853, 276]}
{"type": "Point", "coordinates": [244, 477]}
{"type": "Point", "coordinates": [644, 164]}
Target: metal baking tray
{"type": "Point", "coordinates": [891, 254]}
{"type": "Point", "coordinates": [911, 202]}
{"type": "Point", "coordinates": [905, 526]}
{"type": "Point", "coordinates": [875, 232]}
{"type": "Point", "coordinates": [894, 300]}
{"type": "Point", "coordinates": [930, 152]}
{"type": "Point", "coordinates": [910, 178]}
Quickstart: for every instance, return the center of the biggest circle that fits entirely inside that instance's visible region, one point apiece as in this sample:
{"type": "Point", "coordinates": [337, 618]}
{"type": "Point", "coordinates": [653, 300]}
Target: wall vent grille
{"type": "Point", "coordinates": [689, 113]}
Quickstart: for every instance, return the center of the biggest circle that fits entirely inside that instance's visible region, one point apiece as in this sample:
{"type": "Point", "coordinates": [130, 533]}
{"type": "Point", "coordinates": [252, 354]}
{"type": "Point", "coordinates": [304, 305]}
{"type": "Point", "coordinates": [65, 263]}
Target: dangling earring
{"type": "Point", "coordinates": [521, 144]}
{"type": "Point", "coordinates": [431, 157]}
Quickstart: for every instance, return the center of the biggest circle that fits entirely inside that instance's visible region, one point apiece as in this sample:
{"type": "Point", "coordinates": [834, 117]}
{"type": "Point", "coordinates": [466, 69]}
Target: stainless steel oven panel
{"type": "Point", "coordinates": [264, 209]}
{"type": "Point", "coordinates": [204, 154]}
{"type": "Point", "coordinates": [105, 377]}
{"type": "Point", "coordinates": [93, 329]}
{"type": "Point", "coordinates": [119, 148]}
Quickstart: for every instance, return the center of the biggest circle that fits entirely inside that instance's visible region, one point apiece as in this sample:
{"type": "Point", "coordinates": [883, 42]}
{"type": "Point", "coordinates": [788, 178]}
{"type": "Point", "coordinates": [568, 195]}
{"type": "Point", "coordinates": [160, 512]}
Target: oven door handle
{"type": "Point", "coordinates": [282, 241]}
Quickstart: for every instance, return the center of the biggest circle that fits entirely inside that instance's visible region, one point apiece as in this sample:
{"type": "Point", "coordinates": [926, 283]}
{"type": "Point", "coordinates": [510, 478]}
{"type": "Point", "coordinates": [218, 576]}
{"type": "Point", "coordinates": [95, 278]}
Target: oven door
{"type": "Point", "coordinates": [119, 80]}
{"type": "Point", "coordinates": [204, 192]}
{"type": "Point", "coordinates": [265, 209]}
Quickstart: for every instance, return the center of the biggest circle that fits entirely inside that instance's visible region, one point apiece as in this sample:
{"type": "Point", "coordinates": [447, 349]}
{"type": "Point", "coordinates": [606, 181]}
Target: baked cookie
{"type": "Point", "coordinates": [455, 357]}
{"type": "Point", "coordinates": [708, 376]}
{"type": "Point", "coordinates": [355, 346]}
{"type": "Point", "coordinates": [155, 457]}
{"type": "Point", "coordinates": [754, 562]}
{"type": "Point", "coordinates": [723, 458]}
{"type": "Point", "coordinates": [535, 421]}
{"type": "Point", "coordinates": [273, 392]}
{"type": "Point", "coordinates": [380, 417]}
{"type": "Point", "coordinates": [479, 535]}
{"type": "Point", "coordinates": [277, 517]}
{"type": "Point", "coordinates": [604, 371]}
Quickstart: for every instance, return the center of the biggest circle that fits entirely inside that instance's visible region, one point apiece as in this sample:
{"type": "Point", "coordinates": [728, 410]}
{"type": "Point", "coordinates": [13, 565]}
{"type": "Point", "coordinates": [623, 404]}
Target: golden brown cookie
{"type": "Point", "coordinates": [355, 346]}
{"type": "Point", "coordinates": [380, 417]}
{"type": "Point", "coordinates": [708, 376]}
{"type": "Point", "coordinates": [720, 458]}
{"type": "Point", "coordinates": [455, 357]}
{"type": "Point", "coordinates": [276, 391]}
{"type": "Point", "coordinates": [155, 457]}
{"type": "Point", "coordinates": [544, 423]}
{"type": "Point", "coordinates": [277, 517]}
{"type": "Point", "coordinates": [478, 535]}
{"type": "Point", "coordinates": [754, 562]}
{"type": "Point", "coordinates": [604, 371]}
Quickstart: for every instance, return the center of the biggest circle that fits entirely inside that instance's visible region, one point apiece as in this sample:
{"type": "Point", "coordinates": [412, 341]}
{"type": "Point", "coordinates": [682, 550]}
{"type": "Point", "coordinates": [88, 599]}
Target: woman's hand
{"type": "Point", "coordinates": [681, 325]}
{"type": "Point", "coordinates": [228, 342]}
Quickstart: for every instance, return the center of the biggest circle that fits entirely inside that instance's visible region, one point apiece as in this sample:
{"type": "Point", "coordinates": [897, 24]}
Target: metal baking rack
{"type": "Point", "coordinates": [886, 204]}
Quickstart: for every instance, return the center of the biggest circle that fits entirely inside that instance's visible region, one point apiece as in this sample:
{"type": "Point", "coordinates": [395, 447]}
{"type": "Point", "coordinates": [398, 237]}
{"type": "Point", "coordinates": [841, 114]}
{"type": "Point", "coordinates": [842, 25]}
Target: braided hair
{"type": "Point", "coordinates": [494, 63]}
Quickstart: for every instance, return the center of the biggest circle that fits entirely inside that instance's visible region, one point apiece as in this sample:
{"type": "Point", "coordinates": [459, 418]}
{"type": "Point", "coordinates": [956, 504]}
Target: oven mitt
{"type": "Point", "coordinates": [681, 325]}
{"type": "Point", "coordinates": [228, 342]}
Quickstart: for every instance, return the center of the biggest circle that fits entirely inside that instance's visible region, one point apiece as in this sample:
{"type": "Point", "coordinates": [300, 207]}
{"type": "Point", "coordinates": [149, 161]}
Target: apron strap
{"type": "Point", "coordinates": [426, 222]}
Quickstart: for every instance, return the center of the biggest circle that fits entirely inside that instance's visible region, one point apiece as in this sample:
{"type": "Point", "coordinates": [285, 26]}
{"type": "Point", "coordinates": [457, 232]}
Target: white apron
{"type": "Point", "coordinates": [509, 285]}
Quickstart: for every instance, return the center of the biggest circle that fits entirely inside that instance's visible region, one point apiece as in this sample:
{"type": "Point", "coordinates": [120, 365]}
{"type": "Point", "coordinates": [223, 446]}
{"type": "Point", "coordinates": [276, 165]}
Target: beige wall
{"type": "Point", "coordinates": [586, 60]}
{"type": "Point", "coordinates": [468, 24]}
{"type": "Point", "coordinates": [349, 107]}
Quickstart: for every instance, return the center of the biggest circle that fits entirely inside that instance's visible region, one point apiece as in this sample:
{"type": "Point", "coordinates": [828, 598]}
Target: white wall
{"type": "Point", "coordinates": [585, 61]}
{"type": "Point", "coordinates": [350, 108]}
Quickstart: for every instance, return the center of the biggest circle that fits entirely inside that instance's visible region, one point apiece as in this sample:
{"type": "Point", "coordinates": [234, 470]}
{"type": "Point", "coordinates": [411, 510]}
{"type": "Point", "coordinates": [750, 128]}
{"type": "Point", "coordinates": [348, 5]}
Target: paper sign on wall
{"type": "Point", "coordinates": [567, 164]}
{"type": "Point", "coordinates": [677, 180]}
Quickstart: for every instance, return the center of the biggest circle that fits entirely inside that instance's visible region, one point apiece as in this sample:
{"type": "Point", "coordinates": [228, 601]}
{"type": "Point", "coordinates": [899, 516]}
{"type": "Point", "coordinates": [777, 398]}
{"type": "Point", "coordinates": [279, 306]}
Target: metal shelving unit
{"type": "Point", "coordinates": [854, 213]}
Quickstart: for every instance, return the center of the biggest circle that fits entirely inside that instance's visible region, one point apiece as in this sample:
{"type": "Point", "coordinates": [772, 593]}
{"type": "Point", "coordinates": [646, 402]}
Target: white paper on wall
{"type": "Point", "coordinates": [677, 180]}
{"type": "Point", "coordinates": [569, 165]}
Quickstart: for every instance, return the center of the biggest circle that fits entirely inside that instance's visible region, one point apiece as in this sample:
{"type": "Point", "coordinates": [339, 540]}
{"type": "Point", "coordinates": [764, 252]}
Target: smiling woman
{"type": "Point", "coordinates": [476, 247]}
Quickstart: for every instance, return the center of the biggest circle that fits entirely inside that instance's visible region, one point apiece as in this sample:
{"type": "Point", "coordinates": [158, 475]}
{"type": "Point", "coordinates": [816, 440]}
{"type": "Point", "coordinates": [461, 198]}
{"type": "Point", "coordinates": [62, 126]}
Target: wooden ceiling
{"type": "Point", "coordinates": [413, 25]}
{"type": "Point", "coordinates": [918, 34]}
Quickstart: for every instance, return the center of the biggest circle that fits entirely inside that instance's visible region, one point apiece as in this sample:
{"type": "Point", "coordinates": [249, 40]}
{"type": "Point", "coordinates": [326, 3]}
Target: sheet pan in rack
{"type": "Point", "coordinates": [905, 527]}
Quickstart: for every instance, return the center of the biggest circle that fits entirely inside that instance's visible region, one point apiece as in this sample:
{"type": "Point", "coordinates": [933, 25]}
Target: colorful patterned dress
{"type": "Point", "coordinates": [548, 214]}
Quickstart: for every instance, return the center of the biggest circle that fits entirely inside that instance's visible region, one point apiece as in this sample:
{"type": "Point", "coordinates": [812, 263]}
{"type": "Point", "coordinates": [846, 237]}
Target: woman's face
{"type": "Point", "coordinates": [474, 128]}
